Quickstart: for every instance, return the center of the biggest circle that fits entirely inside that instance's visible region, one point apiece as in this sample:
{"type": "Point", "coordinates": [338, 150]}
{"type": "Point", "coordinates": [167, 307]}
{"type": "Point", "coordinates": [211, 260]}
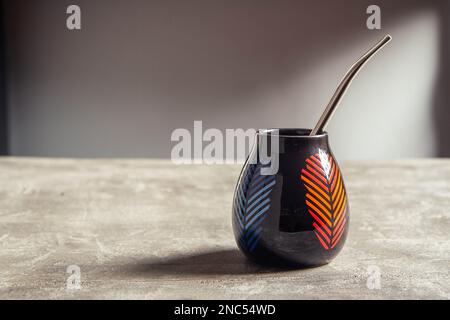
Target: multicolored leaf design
{"type": "Point", "coordinates": [326, 198]}
{"type": "Point", "coordinates": [251, 204]}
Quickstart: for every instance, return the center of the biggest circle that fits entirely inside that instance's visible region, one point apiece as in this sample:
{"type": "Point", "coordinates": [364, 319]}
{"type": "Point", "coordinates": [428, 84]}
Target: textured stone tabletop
{"type": "Point", "coordinates": [150, 229]}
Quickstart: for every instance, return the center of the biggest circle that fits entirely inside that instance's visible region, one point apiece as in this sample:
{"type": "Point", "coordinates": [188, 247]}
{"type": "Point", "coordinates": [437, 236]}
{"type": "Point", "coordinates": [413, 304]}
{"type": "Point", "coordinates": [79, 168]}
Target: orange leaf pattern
{"type": "Point", "coordinates": [326, 198]}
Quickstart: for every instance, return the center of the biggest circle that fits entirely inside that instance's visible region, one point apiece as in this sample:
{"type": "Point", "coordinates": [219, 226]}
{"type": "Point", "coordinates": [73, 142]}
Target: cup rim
{"type": "Point", "coordinates": [298, 133]}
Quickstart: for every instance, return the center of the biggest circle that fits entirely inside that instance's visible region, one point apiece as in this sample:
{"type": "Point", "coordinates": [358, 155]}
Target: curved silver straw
{"type": "Point", "coordinates": [345, 83]}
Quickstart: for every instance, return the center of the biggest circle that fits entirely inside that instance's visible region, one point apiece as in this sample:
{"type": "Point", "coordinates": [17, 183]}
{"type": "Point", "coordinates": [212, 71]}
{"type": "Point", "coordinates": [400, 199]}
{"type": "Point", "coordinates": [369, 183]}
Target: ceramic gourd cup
{"type": "Point", "coordinates": [298, 216]}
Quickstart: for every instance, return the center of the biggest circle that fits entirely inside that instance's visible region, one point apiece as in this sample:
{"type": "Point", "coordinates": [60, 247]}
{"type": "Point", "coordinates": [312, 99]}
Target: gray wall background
{"type": "Point", "coordinates": [139, 69]}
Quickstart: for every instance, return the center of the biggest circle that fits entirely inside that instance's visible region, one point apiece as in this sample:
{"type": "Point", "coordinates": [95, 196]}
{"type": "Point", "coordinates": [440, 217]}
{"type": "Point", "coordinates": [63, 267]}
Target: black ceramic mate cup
{"type": "Point", "coordinates": [291, 210]}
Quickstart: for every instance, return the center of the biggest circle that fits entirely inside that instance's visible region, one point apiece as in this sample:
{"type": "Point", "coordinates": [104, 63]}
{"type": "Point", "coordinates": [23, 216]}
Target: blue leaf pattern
{"type": "Point", "coordinates": [251, 204]}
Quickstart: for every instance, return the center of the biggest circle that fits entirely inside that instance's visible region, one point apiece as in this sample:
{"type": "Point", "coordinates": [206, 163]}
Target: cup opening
{"type": "Point", "coordinates": [292, 132]}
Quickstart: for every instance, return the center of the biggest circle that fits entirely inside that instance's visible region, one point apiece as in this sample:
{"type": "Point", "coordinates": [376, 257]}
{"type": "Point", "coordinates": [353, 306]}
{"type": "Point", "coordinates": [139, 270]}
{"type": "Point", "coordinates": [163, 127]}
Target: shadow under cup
{"type": "Point", "coordinates": [298, 214]}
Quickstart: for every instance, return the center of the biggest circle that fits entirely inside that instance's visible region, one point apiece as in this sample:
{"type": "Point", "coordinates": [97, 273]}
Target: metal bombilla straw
{"type": "Point", "coordinates": [345, 83]}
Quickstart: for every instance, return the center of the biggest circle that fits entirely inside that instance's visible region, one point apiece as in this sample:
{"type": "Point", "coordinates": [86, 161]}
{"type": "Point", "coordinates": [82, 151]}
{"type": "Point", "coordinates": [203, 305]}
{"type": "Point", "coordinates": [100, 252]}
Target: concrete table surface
{"type": "Point", "coordinates": [148, 229]}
